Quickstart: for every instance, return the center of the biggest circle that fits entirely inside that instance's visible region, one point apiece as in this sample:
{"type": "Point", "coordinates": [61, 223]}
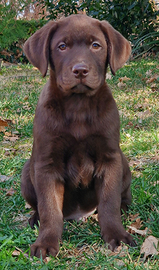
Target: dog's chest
{"type": "Point", "coordinates": [81, 117]}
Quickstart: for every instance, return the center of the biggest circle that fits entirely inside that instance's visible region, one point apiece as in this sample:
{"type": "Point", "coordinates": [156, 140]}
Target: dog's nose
{"type": "Point", "coordinates": [80, 70]}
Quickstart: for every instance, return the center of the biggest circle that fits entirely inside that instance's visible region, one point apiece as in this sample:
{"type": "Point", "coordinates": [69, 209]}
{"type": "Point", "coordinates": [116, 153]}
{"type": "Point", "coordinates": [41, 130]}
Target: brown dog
{"type": "Point", "coordinates": [76, 164]}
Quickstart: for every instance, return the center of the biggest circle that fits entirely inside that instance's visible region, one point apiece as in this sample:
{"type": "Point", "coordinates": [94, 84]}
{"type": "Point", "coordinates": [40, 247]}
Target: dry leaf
{"type": "Point", "coordinates": [47, 260]}
{"type": "Point", "coordinates": [10, 151]}
{"type": "Point", "coordinates": [135, 163]}
{"type": "Point", "coordinates": [154, 87]}
{"type": "Point", "coordinates": [155, 184]}
{"type": "Point", "coordinates": [7, 134]}
{"type": "Point", "coordinates": [143, 115]}
{"type": "Point", "coordinates": [21, 218]}
{"type": "Point", "coordinates": [4, 178]}
{"type": "Point", "coordinates": [108, 76]}
{"type": "Point", "coordinates": [27, 206]}
{"type": "Point", "coordinates": [15, 253]}
{"type": "Point", "coordinates": [134, 217]}
{"type": "Point", "coordinates": [122, 250]}
{"type": "Point", "coordinates": [149, 247]}
{"type": "Point", "coordinates": [133, 230]}
{"type": "Point", "coordinates": [137, 224]}
{"type": "Point", "coordinates": [11, 139]}
{"type": "Point", "coordinates": [148, 72]}
{"type": "Point", "coordinates": [16, 132]}
{"type": "Point", "coordinates": [95, 217]}
{"type": "Point", "coordinates": [3, 124]}
{"type": "Point", "coordinates": [120, 263]}
{"type": "Point", "coordinates": [10, 192]}
{"type": "Point", "coordinates": [155, 208]}
{"type": "Point", "coordinates": [156, 157]}
{"type": "Point", "coordinates": [124, 79]}
{"type": "Point", "coordinates": [121, 85]}
{"type": "Point", "coordinates": [152, 79]}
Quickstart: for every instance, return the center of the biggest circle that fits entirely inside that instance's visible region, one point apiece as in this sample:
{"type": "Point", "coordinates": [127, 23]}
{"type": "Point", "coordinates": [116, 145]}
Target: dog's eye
{"type": "Point", "coordinates": [96, 45]}
{"type": "Point", "coordinates": [62, 46]}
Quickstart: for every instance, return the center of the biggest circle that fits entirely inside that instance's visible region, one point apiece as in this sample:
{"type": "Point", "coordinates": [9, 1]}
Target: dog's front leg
{"type": "Point", "coordinates": [50, 192]}
{"type": "Point", "coordinates": [109, 186]}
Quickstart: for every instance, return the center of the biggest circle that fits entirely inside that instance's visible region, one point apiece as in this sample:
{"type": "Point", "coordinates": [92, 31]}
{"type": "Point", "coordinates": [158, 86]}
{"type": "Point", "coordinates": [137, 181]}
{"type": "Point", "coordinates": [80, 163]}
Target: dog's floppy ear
{"type": "Point", "coordinates": [36, 47]}
{"type": "Point", "coordinates": [119, 48]}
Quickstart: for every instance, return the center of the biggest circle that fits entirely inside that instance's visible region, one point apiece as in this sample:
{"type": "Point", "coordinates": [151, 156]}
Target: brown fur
{"type": "Point", "coordinates": [76, 164]}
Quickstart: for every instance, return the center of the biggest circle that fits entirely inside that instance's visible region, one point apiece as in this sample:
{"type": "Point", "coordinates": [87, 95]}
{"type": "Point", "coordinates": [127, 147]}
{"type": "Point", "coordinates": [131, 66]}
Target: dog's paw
{"type": "Point", "coordinates": [115, 242]}
{"type": "Point", "coordinates": [42, 248]}
{"type": "Point", "coordinates": [114, 238]}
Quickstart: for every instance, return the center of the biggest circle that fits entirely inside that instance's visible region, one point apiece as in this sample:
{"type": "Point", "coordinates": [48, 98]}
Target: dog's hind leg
{"type": "Point", "coordinates": [28, 192]}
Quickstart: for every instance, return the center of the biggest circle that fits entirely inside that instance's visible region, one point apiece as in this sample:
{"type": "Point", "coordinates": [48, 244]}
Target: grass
{"type": "Point", "coordinates": [82, 247]}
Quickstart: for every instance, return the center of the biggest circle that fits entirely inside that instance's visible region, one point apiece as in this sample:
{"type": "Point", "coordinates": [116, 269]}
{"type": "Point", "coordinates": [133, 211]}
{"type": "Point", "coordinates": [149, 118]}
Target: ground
{"type": "Point", "coordinates": [136, 91]}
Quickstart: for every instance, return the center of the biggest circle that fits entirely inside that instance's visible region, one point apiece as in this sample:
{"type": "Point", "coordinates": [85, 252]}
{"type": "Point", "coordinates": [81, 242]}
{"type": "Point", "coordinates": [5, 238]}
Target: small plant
{"type": "Point", "coordinates": [13, 32]}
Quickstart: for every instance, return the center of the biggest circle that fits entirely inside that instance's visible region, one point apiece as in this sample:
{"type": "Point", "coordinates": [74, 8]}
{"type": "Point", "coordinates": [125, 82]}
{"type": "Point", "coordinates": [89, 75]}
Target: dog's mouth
{"type": "Point", "coordinates": [83, 89]}
{"type": "Point", "coordinates": [78, 88]}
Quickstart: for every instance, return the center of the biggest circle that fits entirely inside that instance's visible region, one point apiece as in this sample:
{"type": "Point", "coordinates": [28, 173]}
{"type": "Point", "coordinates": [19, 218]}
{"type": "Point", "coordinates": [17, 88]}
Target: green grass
{"type": "Point", "coordinates": [82, 247]}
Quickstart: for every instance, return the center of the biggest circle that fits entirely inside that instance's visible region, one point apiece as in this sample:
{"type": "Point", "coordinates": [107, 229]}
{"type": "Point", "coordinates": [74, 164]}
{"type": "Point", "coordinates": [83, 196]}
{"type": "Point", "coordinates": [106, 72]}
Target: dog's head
{"type": "Point", "coordinates": [79, 49]}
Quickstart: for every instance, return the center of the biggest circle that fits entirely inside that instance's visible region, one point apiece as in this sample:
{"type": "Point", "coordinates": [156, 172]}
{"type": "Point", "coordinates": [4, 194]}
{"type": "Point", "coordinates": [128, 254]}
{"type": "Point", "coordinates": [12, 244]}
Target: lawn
{"type": "Point", "coordinates": [136, 91]}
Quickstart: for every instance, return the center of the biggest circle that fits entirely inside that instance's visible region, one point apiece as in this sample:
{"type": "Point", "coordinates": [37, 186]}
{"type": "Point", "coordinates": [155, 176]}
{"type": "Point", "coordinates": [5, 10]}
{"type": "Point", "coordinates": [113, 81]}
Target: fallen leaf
{"type": "Point", "coordinates": [149, 246]}
{"type": "Point", "coordinates": [155, 208]}
{"type": "Point", "coordinates": [16, 253]}
{"type": "Point", "coordinates": [133, 230]}
{"type": "Point", "coordinates": [135, 163]}
{"type": "Point", "coordinates": [11, 139]}
{"type": "Point", "coordinates": [122, 250]}
{"type": "Point", "coordinates": [120, 263]}
{"type": "Point", "coordinates": [18, 110]}
{"type": "Point", "coordinates": [21, 218]}
{"type": "Point", "coordinates": [138, 106]}
{"type": "Point", "coordinates": [3, 124]}
{"type": "Point", "coordinates": [155, 184]}
{"type": "Point", "coordinates": [10, 192]}
{"type": "Point", "coordinates": [27, 206]}
{"type": "Point", "coordinates": [121, 85]}
{"type": "Point", "coordinates": [8, 134]}
{"type": "Point", "coordinates": [26, 106]}
{"type": "Point", "coordinates": [10, 151]}
{"type": "Point", "coordinates": [124, 79]}
{"type": "Point", "coordinates": [16, 132]}
{"type": "Point", "coordinates": [108, 76]}
{"type": "Point", "coordinates": [152, 79]}
{"type": "Point", "coordinates": [4, 178]}
{"type": "Point", "coordinates": [95, 217]}
{"type": "Point", "coordinates": [154, 87]}
{"type": "Point", "coordinates": [143, 115]}
{"type": "Point", "coordinates": [148, 72]}
{"type": "Point", "coordinates": [137, 224]}
{"type": "Point", "coordinates": [47, 260]}
{"type": "Point", "coordinates": [26, 98]}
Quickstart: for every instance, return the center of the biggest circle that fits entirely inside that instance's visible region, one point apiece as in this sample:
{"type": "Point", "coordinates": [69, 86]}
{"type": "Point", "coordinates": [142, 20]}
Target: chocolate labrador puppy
{"type": "Point", "coordinates": [76, 164]}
